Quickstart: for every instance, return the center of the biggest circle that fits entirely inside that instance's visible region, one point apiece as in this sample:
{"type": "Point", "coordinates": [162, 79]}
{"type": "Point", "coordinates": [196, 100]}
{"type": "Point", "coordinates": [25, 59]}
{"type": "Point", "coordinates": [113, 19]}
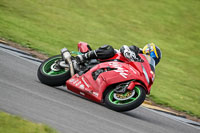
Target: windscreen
{"type": "Point", "coordinates": [151, 62]}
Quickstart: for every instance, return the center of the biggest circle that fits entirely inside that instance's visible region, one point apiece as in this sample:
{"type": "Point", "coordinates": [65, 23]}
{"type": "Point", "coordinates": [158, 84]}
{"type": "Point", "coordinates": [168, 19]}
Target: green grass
{"type": "Point", "coordinates": [15, 124]}
{"type": "Point", "coordinates": [174, 25]}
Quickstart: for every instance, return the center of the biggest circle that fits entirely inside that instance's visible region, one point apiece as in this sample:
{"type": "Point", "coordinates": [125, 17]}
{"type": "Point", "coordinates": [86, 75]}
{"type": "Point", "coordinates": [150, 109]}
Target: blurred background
{"type": "Point", "coordinates": [173, 25]}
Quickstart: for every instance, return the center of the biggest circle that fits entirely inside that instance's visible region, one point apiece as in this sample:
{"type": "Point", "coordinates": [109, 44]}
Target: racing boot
{"type": "Point", "coordinates": [103, 52]}
{"type": "Point", "coordinates": [87, 56]}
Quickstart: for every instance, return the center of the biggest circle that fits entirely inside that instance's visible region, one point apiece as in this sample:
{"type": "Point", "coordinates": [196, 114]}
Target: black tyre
{"type": "Point", "coordinates": [127, 101]}
{"type": "Point", "coordinates": [50, 76]}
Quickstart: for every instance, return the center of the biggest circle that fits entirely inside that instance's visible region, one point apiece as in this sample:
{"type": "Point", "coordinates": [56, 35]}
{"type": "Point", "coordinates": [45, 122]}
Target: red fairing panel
{"type": "Point", "coordinates": [80, 85]}
{"type": "Point", "coordinates": [83, 47]}
{"type": "Point", "coordinates": [93, 89]}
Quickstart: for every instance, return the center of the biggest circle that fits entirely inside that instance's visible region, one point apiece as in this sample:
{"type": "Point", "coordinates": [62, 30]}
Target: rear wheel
{"type": "Point", "coordinates": [125, 101]}
{"type": "Point", "coordinates": [51, 74]}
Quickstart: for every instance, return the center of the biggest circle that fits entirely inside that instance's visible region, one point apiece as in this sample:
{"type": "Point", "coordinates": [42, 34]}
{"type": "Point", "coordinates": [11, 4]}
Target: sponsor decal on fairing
{"type": "Point", "coordinates": [123, 72]}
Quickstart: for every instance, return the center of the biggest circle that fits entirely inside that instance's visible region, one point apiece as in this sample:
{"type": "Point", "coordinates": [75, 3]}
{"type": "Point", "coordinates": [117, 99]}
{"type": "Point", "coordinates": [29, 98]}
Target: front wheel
{"type": "Point", "coordinates": [126, 101]}
{"type": "Point", "coordinates": [51, 74]}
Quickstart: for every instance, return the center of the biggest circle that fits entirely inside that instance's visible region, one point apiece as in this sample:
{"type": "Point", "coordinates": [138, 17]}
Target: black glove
{"type": "Point", "coordinates": [137, 51]}
{"type": "Point", "coordinates": [134, 48]}
{"type": "Point", "coordinates": [131, 53]}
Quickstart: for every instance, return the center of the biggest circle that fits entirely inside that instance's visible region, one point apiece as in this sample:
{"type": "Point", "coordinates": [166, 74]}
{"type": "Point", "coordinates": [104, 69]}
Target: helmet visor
{"type": "Point", "coordinates": [153, 55]}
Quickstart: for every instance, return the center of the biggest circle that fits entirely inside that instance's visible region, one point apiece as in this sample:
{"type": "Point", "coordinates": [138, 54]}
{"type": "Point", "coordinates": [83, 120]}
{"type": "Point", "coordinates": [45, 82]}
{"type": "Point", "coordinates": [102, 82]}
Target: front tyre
{"type": "Point", "coordinates": [50, 74]}
{"type": "Point", "coordinates": [127, 101]}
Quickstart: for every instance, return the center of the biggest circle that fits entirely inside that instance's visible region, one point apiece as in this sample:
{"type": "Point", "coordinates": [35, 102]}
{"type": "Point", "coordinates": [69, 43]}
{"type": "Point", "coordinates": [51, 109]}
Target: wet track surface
{"type": "Point", "coordinates": [22, 94]}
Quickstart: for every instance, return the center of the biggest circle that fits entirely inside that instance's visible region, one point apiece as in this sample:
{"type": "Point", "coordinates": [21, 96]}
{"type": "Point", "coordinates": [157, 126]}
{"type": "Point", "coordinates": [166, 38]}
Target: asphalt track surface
{"type": "Point", "coordinates": [22, 94]}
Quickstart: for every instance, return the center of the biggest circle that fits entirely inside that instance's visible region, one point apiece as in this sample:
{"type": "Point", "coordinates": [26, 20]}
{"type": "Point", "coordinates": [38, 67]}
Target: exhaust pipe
{"type": "Point", "coordinates": [67, 58]}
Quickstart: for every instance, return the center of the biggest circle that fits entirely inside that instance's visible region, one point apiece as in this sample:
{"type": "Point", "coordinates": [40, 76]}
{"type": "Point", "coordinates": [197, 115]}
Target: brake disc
{"type": "Point", "coordinates": [123, 97]}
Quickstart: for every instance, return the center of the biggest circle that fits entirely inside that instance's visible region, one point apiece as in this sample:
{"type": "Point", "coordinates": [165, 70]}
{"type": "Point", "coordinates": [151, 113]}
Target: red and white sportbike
{"type": "Point", "coordinates": [119, 83]}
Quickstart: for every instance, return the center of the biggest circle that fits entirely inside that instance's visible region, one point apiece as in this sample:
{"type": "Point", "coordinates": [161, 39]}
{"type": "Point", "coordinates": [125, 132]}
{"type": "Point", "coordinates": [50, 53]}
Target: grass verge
{"type": "Point", "coordinates": [15, 124]}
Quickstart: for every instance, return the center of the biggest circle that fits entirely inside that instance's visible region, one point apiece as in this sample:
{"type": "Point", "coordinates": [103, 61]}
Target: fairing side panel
{"type": "Point", "coordinates": [93, 89]}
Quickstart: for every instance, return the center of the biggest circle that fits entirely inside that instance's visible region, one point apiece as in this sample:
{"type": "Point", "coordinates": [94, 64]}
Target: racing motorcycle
{"type": "Point", "coordinates": [118, 82]}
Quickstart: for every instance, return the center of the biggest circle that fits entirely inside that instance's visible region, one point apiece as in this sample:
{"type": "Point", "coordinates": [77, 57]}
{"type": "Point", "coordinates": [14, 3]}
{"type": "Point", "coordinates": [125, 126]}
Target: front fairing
{"type": "Point", "coordinates": [144, 70]}
{"type": "Point", "coordinates": [148, 70]}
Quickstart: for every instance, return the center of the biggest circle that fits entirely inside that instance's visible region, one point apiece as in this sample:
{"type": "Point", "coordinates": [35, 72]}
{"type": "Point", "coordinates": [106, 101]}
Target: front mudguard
{"type": "Point", "coordinates": [131, 86]}
{"type": "Point", "coordinates": [136, 83]}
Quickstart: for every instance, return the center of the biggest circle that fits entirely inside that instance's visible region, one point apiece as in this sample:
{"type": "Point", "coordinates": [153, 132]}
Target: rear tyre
{"type": "Point", "coordinates": [127, 101]}
{"type": "Point", "coordinates": [51, 75]}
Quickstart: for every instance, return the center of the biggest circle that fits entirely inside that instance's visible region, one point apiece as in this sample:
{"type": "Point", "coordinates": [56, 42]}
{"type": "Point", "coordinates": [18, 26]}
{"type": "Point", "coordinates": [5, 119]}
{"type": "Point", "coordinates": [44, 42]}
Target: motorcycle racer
{"type": "Point", "coordinates": [131, 52]}
{"type": "Point", "coordinates": [120, 79]}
